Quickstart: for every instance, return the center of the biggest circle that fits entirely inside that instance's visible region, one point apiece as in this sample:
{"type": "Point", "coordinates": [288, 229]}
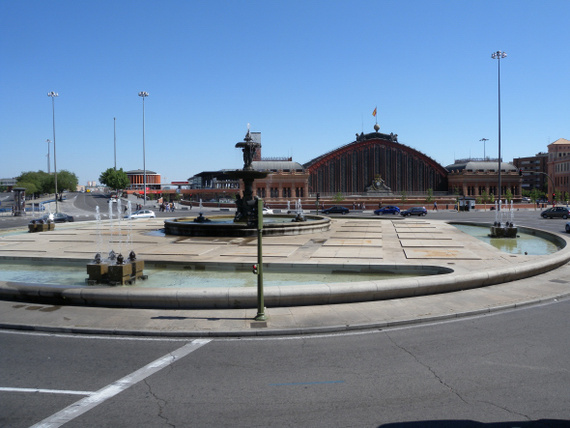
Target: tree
{"type": "Point", "coordinates": [39, 179]}
{"type": "Point", "coordinates": [45, 183]}
{"type": "Point", "coordinates": [429, 197]}
{"type": "Point", "coordinates": [115, 178]}
{"type": "Point", "coordinates": [31, 188]}
{"type": "Point", "coordinates": [66, 181]}
{"type": "Point", "coordinates": [338, 197]}
{"type": "Point", "coordinates": [404, 196]}
{"type": "Point", "coordinates": [485, 198]}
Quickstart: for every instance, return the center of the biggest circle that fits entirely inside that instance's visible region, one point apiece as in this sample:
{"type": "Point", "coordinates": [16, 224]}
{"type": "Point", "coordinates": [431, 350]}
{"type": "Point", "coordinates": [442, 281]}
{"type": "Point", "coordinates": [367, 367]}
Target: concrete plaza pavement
{"type": "Point", "coordinates": [350, 241]}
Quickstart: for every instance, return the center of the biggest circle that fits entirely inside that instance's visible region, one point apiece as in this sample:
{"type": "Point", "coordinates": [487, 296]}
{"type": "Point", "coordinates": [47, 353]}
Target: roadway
{"type": "Point", "coordinates": [511, 367]}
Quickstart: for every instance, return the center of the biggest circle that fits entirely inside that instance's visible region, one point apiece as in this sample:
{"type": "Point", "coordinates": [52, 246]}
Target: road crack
{"type": "Point", "coordinates": [430, 369]}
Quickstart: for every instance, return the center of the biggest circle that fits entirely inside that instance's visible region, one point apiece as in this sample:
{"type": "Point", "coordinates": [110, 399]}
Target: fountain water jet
{"type": "Point", "coordinates": [501, 228]}
{"type": "Point", "coordinates": [114, 270]}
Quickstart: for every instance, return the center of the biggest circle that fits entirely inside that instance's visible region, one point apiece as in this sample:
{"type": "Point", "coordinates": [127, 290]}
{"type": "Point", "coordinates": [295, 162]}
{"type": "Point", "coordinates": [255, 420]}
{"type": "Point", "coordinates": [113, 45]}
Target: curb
{"type": "Point", "coordinates": [297, 331]}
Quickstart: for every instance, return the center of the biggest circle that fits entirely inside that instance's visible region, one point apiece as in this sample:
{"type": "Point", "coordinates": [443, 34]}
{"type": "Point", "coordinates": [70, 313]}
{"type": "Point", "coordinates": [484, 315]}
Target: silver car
{"type": "Point", "coordinates": [142, 214]}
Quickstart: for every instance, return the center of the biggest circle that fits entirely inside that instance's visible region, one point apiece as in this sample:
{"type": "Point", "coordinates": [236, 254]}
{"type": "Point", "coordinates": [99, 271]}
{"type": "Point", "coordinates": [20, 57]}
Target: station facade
{"type": "Point", "coordinates": [356, 167]}
{"type": "Point", "coordinates": [475, 177]}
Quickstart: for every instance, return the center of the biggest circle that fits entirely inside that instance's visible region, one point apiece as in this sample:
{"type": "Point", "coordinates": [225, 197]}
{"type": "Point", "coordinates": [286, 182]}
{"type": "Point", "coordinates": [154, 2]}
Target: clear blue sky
{"type": "Point", "coordinates": [306, 74]}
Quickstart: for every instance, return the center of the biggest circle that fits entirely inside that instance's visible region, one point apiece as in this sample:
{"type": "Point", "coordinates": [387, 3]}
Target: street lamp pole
{"type": "Point", "coordinates": [484, 153]}
{"type": "Point", "coordinates": [49, 167]}
{"type": "Point", "coordinates": [115, 139]}
{"type": "Point", "coordinates": [498, 55]}
{"type": "Point", "coordinates": [144, 95]}
{"type": "Point", "coordinates": [53, 95]}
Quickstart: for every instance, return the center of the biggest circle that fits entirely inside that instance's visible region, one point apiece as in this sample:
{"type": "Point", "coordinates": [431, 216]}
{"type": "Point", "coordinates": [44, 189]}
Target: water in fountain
{"type": "Point", "coordinates": [299, 210]}
{"type": "Point", "coordinates": [130, 227]}
{"type": "Point", "coordinates": [503, 228]}
{"type": "Point", "coordinates": [512, 214]}
{"type": "Point", "coordinates": [119, 224]}
{"type": "Point", "coordinates": [111, 232]}
{"type": "Point", "coordinates": [201, 218]}
{"type": "Point", "coordinates": [99, 241]}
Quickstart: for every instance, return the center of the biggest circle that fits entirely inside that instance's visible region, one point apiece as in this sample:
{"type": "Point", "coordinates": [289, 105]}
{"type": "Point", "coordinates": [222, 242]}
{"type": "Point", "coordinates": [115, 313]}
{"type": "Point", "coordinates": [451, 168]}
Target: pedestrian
{"type": "Point", "coordinates": [435, 205]}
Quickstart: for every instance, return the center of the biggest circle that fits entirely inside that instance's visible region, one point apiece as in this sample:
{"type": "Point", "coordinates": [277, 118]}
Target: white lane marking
{"type": "Point", "coordinates": [46, 391]}
{"type": "Point", "coordinates": [80, 407]}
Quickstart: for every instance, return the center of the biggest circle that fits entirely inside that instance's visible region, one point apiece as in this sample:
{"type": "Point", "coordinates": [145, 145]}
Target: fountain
{"type": "Point", "coordinates": [201, 218]}
{"type": "Point", "coordinates": [244, 222]}
{"type": "Point", "coordinates": [299, 210]}
{"type": "Point", "coordinates": [114, 270]}
{"type": "Point", "coordinates": [246, 206]}
{"type": "Point", "coordinates": [502, 228]}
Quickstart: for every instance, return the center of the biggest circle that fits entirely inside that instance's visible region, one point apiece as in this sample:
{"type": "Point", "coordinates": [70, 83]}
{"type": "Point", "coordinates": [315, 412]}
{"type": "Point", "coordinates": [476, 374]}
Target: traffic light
{"type": "Point", "coordinates": [521, 172]}
{"type": "Point", "coordinates": [254, 269]}
{"type": "Point", "coordinates": [553, 196]}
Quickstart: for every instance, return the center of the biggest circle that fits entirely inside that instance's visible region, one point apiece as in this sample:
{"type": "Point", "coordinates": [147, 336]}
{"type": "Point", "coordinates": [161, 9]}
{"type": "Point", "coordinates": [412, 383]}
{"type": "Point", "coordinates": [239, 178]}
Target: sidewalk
{"type": "Point", "coordinates": [299, 320]}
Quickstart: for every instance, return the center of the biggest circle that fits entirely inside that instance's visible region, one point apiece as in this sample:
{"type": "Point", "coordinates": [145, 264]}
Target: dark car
{"type": "Point", "coordinates": [559, 212]}
{"type": "Point", "coordinates": [335, 210]}
{"type": "Point", "coordinates": [419, 211]}
{"type": "Point", "coordinates": [57, 217]}
{"type": "Point", "coordinates": [388, 209]}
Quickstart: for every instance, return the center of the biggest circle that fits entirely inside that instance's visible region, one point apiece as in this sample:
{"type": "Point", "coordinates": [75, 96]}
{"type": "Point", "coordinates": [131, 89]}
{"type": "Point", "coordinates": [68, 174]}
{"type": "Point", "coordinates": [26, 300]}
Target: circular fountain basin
{"type": "Point", "coordinates": [223, 225]}
{"type": "Point", "coordinates": [528, 241]}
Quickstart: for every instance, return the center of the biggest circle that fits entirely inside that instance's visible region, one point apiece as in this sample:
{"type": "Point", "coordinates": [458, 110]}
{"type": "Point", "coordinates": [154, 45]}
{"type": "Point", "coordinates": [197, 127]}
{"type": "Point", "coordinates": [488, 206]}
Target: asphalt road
{"type": "Point", "coordinates": [512, 367]}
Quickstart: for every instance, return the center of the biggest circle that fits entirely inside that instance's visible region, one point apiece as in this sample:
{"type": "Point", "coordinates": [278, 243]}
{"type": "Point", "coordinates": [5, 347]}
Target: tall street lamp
{"type": "Point", "coordinates": [115, 140]}
{"type": "Point", "coordinates": [52, 95]}
{"type": "Point", "coordinates": [484, 153]}
{"type": "Point", "coordinates": [144, 95]}
{"type": "Point", "coordinates": [498, 55]}
{"type": "Point", "coordinates": [49, 167]}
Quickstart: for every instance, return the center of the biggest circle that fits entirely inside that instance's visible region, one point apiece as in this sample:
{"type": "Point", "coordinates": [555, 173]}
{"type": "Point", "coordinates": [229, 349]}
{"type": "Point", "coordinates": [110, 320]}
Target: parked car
{"type": "Point", "coordinates": [556, 212]}
{"type": "Point", "coordinates": [419, 211]}
{"type": "Point", "coordinates": [142, 214]}
{"type": "Point", "coordinates": [267, 211]}
{"type": "Point", "coordinates": [388, 209]}
{"type": "Point", "coordinates": [335, 210]}
{"type": "Point", "coordinates": [56, 218]}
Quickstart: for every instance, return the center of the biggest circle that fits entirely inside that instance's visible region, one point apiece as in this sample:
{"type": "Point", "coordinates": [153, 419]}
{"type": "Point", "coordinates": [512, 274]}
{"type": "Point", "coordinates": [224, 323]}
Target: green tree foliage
{"type": "Point", "coordinates": [31, 188]}
{"type": "Point", "coordinates": [115, 178]}
{"type": "Point", "coordinates": [338, 197]}
{"type": "Point", "coordinates": [509, 195]}
{"type": "Point", "coordinates": [429, 197]}
{"type": "Point", "coordinates": [66, 181]}
{"type": "Point", "coordinates": [404, 196]}
{"type": "Point", "coordinates": [39, 182]}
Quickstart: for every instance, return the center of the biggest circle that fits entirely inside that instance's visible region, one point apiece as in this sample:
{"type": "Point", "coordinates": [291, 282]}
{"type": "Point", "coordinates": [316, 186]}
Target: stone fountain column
{"type": "Point", "coordinates": [246, 205]}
